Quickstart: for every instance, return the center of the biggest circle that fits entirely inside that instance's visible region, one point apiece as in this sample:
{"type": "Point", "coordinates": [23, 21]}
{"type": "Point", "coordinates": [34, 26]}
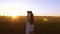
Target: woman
{"type": "Point", "coordinates": [30, 23]}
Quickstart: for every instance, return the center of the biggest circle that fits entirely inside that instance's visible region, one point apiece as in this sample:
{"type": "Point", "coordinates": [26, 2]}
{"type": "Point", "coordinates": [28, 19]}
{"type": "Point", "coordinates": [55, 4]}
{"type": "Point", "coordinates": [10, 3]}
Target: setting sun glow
{"type": "Point", "coordinates": [14, 13]}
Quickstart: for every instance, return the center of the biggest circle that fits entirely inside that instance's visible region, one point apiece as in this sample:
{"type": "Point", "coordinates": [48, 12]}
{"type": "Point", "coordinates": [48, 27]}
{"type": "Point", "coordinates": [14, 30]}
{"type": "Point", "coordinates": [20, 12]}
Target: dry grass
{"type": "Point", "coordinates": [9, 26]}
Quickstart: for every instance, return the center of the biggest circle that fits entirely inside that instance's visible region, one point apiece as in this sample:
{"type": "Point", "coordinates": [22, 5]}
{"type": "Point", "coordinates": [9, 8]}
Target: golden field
{"type": "Point", "coordinates": [43, 25]}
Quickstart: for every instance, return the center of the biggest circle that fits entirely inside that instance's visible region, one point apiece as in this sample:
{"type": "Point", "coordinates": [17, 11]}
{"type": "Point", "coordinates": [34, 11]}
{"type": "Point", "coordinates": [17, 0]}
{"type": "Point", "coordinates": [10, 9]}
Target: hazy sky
{"type": "Point", "coordinates": [38, 7]}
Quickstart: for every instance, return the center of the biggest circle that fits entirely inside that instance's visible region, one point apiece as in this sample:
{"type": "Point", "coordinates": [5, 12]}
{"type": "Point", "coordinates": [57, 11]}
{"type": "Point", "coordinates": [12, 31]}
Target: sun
{"type": "Point", "coordinates": [14, 13]}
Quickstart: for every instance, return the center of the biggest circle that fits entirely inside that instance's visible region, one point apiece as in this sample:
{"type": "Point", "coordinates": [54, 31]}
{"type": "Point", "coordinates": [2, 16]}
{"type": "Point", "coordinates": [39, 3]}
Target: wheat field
{"type": "Point", "coordinates": [42, 25]}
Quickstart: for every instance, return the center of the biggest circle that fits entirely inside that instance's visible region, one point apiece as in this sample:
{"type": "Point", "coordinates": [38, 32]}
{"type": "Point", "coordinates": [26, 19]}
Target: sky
{"type": "Point", "coordinates": [38, 7]}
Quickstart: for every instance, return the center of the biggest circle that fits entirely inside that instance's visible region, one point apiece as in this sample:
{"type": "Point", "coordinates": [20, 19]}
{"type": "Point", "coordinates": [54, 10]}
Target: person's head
{"type": "Point", "coordinates": [30, 15]}
{"type": "Point", "coordinates": [29, 11]}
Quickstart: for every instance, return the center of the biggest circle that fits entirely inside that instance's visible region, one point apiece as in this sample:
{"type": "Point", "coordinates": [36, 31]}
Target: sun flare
{"type": "Point", "coordinates": [14, 13]}
{"type": "Point", "coordinates": [45, 19]}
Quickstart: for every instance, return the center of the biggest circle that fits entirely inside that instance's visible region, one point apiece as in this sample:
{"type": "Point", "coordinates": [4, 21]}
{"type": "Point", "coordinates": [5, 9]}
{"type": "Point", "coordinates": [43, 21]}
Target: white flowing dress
{"type": "Point", "coordinates": [29, 28]}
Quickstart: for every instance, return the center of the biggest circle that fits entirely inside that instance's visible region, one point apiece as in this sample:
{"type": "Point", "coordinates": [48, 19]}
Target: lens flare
{"type": "Point", "coordinates": [14, 13]}
{"type": "Point", "coordinates": [45, 19]}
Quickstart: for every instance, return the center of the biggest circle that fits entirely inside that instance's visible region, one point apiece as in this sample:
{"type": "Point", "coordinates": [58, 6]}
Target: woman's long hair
{"type": "Point", "coordinates": [30, 17]}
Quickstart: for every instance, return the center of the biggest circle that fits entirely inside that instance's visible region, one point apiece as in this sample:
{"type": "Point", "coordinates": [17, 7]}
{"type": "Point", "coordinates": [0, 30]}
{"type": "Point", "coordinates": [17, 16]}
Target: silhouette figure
{"type": "Point", "coordinates": [30, 23]}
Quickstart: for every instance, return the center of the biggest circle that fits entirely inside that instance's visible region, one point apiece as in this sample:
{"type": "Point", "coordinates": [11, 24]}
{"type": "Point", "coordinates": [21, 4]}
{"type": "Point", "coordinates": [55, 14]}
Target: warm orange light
{"type": "Point", "coordinates": [14, 13]}
{"type": "Point", "coordinates": [45, 19]}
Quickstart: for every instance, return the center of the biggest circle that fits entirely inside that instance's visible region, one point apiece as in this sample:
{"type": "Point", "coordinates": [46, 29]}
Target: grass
{"type": "Point", "coordinates": [17, 26]}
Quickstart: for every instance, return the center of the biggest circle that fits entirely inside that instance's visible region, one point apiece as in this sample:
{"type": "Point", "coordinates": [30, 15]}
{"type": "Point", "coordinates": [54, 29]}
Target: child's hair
{"type": "Point", "coordinates": [27, 11]}
{"type": "Point", "coordinates": [31, 20]}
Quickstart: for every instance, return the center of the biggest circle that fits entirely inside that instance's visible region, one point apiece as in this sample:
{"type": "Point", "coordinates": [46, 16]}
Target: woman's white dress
{"type": "Point", "coordinates": [29, 28]}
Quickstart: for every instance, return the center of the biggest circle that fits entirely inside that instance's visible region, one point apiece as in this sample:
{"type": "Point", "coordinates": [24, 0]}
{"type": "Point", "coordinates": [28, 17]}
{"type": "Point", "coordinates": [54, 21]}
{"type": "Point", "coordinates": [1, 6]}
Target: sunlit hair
{"type": "Point", "coordinates": [30, 17]}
